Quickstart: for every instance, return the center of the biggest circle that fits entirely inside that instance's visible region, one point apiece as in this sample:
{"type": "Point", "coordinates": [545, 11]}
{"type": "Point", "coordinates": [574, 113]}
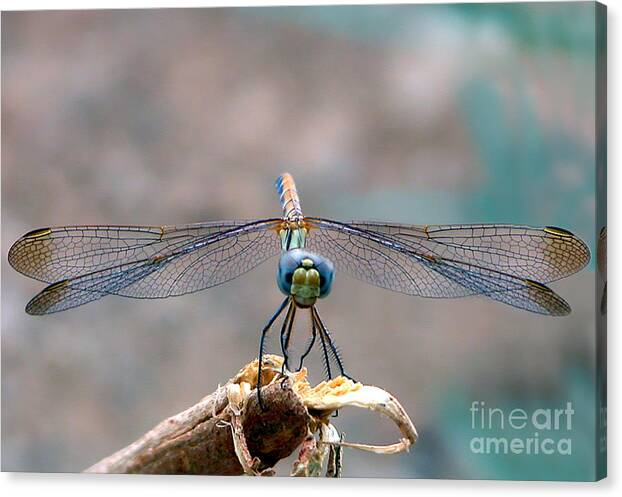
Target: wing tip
{"type": "Point", "coordinates": [44, 301]}
{"type": "Point", "coordinates": [14, 252]}
{"type": "Point", "coordinates": [549, 301]}
{"type": "Point", "coordinates": [580, 250]}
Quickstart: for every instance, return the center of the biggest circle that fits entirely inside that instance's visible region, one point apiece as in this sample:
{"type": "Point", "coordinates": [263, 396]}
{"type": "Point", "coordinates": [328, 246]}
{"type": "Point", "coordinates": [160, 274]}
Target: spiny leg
{"type": "Point", "coordinates": [286, 337]}
{"type": "Point", "coordinates": [310, 345]}
{"type": "Point", "coordinates": [288, 334]}
{"type": "Point", "coordinates": [325, 337]}
{"type": "Point", "coordinates": [286, 330]}
{"type": "Point", "coordinates": [333, 348]}
{"type": "Point", "coordinates": [261, 347]}
{"type": "Point", "coordinates": [323, 342]}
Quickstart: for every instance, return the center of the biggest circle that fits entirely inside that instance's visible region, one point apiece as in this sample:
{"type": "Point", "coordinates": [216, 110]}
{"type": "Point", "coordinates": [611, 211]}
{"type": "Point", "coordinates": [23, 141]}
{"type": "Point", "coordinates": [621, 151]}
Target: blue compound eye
{"type": "Point", "coordinates": [294, 259]}
{"type": "Point", "coordinates": [288, 263]}
{"type": "Point", "coordinates": [327, 275]}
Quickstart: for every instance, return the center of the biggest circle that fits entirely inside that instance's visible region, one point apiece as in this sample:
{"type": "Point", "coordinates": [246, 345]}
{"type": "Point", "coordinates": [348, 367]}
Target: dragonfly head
{"type": "Point", "coordinates": [305, 276]}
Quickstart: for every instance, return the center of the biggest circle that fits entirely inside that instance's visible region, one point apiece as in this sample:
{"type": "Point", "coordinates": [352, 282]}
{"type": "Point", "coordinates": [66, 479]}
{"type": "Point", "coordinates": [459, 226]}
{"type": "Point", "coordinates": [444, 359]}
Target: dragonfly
{"type": "Point", "coordinates": [511, 264]}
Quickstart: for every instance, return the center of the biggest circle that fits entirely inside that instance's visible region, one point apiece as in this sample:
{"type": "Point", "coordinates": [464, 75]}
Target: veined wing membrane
{"type": "Point", "coordinates": [392, 263]}
{"type": "Point", "coordinates": [377, 260]}
{"type": "Point", "coordinates": [51, 254]}
{"type": "Point", "coordinates": [543, 254]}
{"type": "Point", "coordinates": [522, 293]}
{"type": "Point", "coordinates": [142, 262]}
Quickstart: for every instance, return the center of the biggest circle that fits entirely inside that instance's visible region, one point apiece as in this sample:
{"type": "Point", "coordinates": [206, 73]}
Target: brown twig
{"type": "Point", "coordinates": [203, 439]}
{"type": "Point", "coordinates": [227, 432]}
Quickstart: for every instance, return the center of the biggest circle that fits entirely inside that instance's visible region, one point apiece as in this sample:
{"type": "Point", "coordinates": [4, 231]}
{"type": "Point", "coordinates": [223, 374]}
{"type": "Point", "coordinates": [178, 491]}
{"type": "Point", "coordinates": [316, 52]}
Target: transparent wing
{"type": "Point", "coordinates": [522, 293]}
{"type": "Point", "coordinates": [542, 254]}
{"type": "Point", "coordinates": [464, 260]}
{"type": "Point", "coordinates": [89, 262]}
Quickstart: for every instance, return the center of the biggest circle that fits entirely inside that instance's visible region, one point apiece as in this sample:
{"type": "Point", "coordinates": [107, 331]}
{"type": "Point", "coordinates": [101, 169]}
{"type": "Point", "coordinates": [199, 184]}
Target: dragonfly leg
{"type": "Point", "coordinates": [286, 330]}
{"type": "Point", "coordinates": [325, 336]}
{"type": "Point", "coordinates": [325, 355]}
{"type": "Point", "coordinates": [310, 345]}
{"type": "Point", "coordinates": [261, 347]}
{"type": "Point", "coordinates": [317, 322]}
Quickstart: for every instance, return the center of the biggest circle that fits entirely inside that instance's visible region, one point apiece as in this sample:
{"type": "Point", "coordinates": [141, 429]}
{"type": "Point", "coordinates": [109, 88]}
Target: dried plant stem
{"type": "Point", "coordinates": [227, 432]}
{"type": "Point", "coordinates": [204, 438]}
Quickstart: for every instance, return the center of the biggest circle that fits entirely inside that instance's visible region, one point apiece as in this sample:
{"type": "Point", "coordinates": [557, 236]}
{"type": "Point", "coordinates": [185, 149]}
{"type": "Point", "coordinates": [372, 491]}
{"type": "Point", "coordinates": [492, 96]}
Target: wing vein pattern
{"type": "Point", "coordinates": [85, 263]}
{"type": "Point", "coordinates": [503, 262]}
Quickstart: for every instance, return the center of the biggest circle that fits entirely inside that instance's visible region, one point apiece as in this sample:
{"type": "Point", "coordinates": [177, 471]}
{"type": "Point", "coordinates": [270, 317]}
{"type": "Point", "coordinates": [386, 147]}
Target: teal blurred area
{"type": "Point", "coordinates": [538, 27]}
{"type": "Point", "coordinates": [461, 113]}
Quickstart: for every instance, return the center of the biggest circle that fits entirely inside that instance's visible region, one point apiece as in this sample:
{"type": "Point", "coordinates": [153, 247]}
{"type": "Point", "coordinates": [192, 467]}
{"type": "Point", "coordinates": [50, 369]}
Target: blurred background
{"type": "Point", "coordinates": [418, 114]}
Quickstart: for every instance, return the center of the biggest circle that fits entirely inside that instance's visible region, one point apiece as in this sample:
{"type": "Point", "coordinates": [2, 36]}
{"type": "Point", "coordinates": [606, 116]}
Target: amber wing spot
{"type": "Point", "coordinates": [49, 296]}
{"type": "Point", "coordinates": [547, 298]}
{"type": "Point", "coordinates": [31, 252]}
{"type": "Point", "coordinates": [553, 230]}
{"type": "Point", "coordinates": [38, 233]}
{"type": "Point", "coordinates": [539, 286]}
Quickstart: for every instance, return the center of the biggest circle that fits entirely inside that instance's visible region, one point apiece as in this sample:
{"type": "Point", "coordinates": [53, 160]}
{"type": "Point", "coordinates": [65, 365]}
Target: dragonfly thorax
{"type": "Point", "coordinates": [305, 276]}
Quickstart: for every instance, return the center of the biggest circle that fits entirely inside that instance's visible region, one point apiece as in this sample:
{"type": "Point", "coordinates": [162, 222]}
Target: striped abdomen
{"type": "Point", "coordinates": [288, 195]}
